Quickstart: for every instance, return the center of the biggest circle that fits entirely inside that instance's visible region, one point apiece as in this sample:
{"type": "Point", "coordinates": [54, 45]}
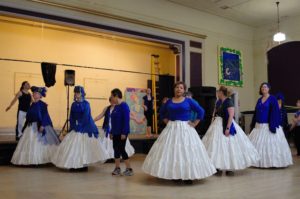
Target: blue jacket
{"type": "Point", "coordinates": [120, 118]}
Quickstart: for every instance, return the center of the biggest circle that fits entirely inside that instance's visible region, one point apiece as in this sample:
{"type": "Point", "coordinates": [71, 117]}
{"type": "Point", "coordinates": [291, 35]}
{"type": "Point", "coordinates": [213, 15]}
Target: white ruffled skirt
{"type": "Point", "coordinates": [78, 150]}
{"type": "Point", "coordinates": [232, 152]}
{"type": "Point", "coordinates": [272, 147]}
{"type": "Point", "coordinates": [33, 149]}
{"type": "Point", "coordinates": [108, 145]}
{"type": "Point", "coordinates": [178, 153]}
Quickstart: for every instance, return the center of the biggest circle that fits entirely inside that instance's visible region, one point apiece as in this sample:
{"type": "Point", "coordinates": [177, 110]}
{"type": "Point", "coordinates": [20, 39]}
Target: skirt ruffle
{"type": "Point", "coordinates": [178, 153]}
{"type": "Point", "coordinates": [78, 150]}
{"type": "Point", "coordinates": [32, 149]}
{"type": "Point", "coordinates": [272, 147]}
{"type": "Point", "coordinates": [232, 152]}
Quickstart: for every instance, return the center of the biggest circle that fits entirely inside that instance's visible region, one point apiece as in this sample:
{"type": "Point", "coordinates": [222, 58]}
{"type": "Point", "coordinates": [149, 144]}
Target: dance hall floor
{"type": "Point", "coordinates": [48, 182]}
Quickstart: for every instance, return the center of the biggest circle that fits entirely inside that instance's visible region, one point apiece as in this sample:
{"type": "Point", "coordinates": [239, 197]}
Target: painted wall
{"type": "Point", "coordinates": [27, 40]}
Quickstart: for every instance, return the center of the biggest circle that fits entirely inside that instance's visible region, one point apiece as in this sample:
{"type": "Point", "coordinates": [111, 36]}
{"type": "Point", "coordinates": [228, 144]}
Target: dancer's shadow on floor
{"type": "Point", "coordinates": [144, 179]}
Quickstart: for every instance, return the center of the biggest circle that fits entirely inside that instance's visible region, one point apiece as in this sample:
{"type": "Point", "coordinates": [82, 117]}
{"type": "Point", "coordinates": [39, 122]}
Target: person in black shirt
{"type": "Point", "coordinates": [148, 111]}
{"type": "Point", "coordinates": [25, 100]}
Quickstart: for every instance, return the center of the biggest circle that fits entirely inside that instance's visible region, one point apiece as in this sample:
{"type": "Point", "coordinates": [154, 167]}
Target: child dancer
{"type": "Point", "coordinates": [120, 128]}
{"type": "Point", "coordinates": [106, 128]}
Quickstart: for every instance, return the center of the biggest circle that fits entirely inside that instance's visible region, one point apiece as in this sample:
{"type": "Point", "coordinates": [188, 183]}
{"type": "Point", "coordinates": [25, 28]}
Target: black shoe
{"type": "Point", "coordinates": [189, 182]}
{"type": "Point", "coordinates": [229, 173]}
{"type": "Point", "coordinates": [219, 172]}
{"type": "Point", "coordinates": [177, 180]}
{"type": "Point", "coordinates": [83, 169]}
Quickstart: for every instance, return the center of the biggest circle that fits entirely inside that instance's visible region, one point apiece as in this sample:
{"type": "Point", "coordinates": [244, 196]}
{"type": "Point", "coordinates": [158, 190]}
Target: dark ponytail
{"type": "Point", "coordinates": [23, 84]}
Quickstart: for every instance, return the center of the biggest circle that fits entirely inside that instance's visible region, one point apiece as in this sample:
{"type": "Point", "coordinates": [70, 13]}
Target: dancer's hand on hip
{"type": "Point", "coordinates": [192, 124]}
{"type": "Point", "coordinates": [41, 129]}
{"type": "Point", "coordinates": [123, 137]}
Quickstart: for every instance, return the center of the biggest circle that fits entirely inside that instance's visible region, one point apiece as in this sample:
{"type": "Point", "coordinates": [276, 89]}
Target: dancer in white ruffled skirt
{"type": "Point", "coordinates": [227, 145]}
{"type": "Point", "coordinates": [39, 140]}
{"type": "Point", "coordinates": [267, 135]}
{"type": "Point", "coordinates": [105, 132]}
{"type": "Point", "coordinates": [178, 153]}
{"type": "Point", "coordinates": [81, 146]}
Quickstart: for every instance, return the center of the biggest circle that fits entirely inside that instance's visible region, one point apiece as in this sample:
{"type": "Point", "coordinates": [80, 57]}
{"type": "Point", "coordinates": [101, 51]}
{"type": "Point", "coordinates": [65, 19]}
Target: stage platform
{"type": "Point", "coordinates": [141, 144]}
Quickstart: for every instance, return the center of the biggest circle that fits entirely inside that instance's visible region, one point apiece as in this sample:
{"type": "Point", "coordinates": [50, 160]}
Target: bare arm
{"type": "Point", "coordinates": [101, 115]}
{"type": "Point", "coordinates": [230, 119]}
{"type": "Point", "coordinates": [194, 123]}
{"type": "Point", "coordinates": [19, 94]}
{"type": "Point", "coordinates": [231, 115]}
{"type": "Point", "coordinates": [165, 121]}
{"type": "Point", "coordinates": [294, 122]}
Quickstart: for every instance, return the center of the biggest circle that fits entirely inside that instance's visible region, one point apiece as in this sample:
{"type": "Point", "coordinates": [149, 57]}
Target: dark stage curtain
{"type": "Point", "coordinates": [284, 70]}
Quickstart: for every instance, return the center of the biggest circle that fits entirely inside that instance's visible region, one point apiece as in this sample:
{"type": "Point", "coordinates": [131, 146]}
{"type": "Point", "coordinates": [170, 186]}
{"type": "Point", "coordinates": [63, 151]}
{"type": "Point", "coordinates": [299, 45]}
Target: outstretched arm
{"type": "Point", "coordinates": [295, 120]}
{"type": "Point", "coordinates": [101, 115]}
{"type": "Point", "coordinates": [19, 94]}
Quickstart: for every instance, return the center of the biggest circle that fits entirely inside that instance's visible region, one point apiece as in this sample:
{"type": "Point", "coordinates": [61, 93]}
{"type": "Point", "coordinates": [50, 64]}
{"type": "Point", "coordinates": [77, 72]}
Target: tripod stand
{"type": "Point", "coordinates": [66, 125]}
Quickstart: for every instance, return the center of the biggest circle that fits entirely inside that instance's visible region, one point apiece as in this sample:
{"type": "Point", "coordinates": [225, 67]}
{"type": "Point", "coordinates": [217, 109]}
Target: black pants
{"type": "Point", "coordinates": [149, 117]}
{"type": "Point", "coordinates": [119, 147]}
{"type": "Point", "coordinates": [297, 139]}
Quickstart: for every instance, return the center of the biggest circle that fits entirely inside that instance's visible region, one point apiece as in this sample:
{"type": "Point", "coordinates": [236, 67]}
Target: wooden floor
{"type": "Point", "coordinates": [48, 182]}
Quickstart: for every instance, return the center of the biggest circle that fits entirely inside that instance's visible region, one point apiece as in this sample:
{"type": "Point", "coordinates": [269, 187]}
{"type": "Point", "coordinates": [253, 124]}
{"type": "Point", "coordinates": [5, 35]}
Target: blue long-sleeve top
{"type": "Point", "coordinates": [120, 118]}
{"type": "Point", "coordinates": [81, 119]}
{"type": "Point", "coordinates": [38, 112]}
{"type": "Point", "coordinates": [267, 112]}
{"type": "Point", "coordinates": [181, 111]}
{"type": "Point", "coordinates": [222, 111]}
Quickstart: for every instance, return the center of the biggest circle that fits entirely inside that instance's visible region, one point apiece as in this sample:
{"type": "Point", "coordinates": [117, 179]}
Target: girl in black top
{"type": "Point", "coordinates": [148, 111]}
{"type": "Point", "coordinates": [25, 100]}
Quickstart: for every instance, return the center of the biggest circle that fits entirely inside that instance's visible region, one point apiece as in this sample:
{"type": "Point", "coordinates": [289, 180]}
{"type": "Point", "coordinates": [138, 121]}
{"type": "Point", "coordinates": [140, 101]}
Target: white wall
{"type": "Point", "coordinates": [219, 31]}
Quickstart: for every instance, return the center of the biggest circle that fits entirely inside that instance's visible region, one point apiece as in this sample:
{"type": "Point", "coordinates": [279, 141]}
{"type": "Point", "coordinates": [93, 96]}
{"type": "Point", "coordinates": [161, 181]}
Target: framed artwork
{"type": "Point", "coordinates": [230, 67]}
{"type": "Point", "coordinates": [134, 99]}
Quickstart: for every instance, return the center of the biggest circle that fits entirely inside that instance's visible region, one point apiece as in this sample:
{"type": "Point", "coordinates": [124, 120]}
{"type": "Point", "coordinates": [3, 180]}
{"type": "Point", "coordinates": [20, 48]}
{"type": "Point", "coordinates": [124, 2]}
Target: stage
{"type": "Point", "coordinates": [141, 144]}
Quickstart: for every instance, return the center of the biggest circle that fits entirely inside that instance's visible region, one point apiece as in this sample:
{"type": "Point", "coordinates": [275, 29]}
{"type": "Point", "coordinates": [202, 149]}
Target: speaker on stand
{"type": "Point", "coordinates": [69, 81]}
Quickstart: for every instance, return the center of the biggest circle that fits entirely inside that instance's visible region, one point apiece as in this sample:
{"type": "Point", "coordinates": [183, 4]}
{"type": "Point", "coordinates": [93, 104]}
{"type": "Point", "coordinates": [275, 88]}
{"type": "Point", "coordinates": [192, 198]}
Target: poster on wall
{"type": "Point", "coordinates": [134, 99]}
{"type": "Point", "coordinates": [230, 67]}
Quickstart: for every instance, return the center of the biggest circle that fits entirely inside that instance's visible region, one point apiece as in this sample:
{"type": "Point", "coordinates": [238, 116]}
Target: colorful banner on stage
{"type": "Point", "coordinates": [230, 67]}
{"type": "Point", "coordinates": [134, 99]}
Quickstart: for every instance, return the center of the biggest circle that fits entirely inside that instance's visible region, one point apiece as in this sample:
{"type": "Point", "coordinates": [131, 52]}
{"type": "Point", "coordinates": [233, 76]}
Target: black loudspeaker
{"type": "Point", "coordinates": [48, 72]}
{"type": "Point", "coordinates": [69, 77]}
{"type": "Point", "coordinates": [166, 84]}
{"type": "Point", "coordinates": [206, 97]}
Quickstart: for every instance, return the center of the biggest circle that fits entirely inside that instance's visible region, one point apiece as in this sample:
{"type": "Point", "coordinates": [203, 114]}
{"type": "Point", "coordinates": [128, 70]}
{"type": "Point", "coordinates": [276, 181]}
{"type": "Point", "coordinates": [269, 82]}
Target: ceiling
{"type": "Point", "coordinates": [254, 13]}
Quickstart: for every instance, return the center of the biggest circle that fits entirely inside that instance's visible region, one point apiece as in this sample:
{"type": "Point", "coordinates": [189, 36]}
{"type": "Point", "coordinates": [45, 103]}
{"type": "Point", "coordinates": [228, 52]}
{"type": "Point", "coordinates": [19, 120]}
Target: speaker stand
{"type": "Point", "coordinates": [66, 124]}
